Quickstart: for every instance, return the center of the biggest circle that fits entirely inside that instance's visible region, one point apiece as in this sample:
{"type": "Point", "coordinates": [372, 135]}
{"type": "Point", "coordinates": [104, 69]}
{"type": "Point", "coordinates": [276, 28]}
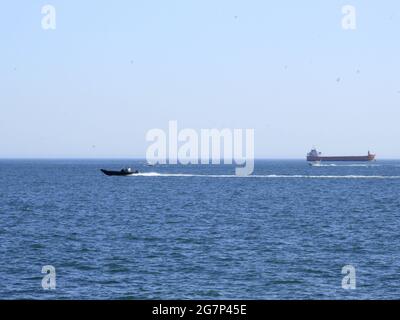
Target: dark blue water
{"type": "Point", "coordinates": [198, 231]}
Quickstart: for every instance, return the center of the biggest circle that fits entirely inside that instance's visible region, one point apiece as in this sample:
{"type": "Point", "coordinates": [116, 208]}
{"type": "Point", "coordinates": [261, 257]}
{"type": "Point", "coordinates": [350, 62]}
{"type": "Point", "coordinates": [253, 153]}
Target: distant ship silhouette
{"type": "Point", "coordinates": [314, 155]}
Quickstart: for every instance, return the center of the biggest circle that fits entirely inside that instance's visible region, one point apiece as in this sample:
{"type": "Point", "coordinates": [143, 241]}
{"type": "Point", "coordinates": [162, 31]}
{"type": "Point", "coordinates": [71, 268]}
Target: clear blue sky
{"type": "Point", "coordinates": [114, 69]}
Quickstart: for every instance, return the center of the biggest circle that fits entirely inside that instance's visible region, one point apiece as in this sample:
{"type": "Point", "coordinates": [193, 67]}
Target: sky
{"type": "Point", "coordinates": [112, 70]}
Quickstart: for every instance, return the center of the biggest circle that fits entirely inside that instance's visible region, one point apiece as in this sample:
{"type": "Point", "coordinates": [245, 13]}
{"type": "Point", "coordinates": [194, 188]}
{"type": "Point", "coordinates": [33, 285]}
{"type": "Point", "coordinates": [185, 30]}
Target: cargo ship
{"type": "Point", "coordinates": [314, 155]}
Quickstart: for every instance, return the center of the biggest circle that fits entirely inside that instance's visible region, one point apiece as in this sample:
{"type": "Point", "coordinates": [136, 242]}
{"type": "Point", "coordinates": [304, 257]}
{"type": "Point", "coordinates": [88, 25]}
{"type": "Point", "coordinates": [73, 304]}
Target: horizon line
{"type": "Point", "coordinates": [141, 158]}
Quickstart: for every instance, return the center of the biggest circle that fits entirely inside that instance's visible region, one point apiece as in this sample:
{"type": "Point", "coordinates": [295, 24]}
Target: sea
{"type": "Point", "coordinates": [288, 231]}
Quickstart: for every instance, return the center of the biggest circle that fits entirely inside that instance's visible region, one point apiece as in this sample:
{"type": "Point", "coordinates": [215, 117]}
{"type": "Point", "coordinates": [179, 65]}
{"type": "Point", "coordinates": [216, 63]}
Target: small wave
{"type": "Point", "coordinates": [327, 176]}
{"type": "Point", "coordinates": [269, 176]}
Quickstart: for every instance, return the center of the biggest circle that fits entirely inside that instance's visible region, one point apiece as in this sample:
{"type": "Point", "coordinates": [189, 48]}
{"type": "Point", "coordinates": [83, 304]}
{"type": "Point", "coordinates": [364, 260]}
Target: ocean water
{"type": "Point", "coordinates": [199, 232]}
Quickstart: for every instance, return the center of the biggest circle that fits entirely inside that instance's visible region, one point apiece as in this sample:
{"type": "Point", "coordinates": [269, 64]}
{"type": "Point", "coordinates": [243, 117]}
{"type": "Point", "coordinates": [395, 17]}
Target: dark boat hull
{"type": "Point", "coordinates": [369, 157]}
{"type": "Point", "coordinates": [118, 173]}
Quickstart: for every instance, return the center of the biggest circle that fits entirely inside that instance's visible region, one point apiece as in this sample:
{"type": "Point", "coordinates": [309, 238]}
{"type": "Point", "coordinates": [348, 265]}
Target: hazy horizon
{"type": "Point", "coordinates": [110, 72]}
{"type": "Point", "coordinates": [144, 159]}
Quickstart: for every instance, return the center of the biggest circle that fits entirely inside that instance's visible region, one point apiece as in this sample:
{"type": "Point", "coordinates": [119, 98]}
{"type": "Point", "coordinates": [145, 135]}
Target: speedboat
{"type": "Point", "coordinates": [122, 172]}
